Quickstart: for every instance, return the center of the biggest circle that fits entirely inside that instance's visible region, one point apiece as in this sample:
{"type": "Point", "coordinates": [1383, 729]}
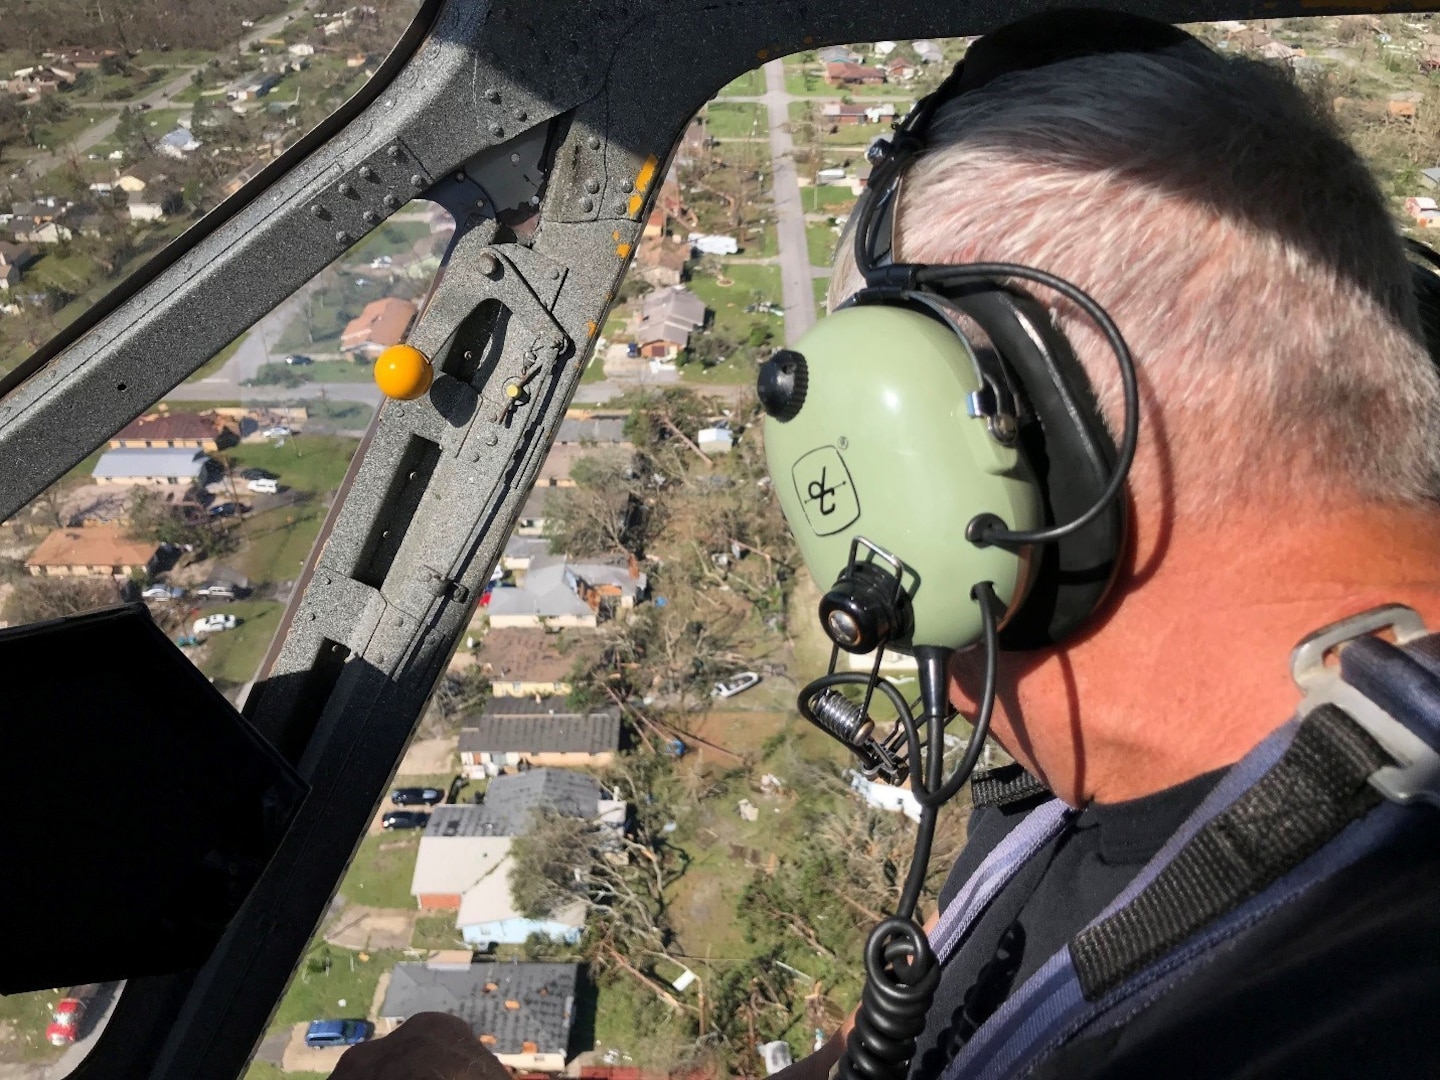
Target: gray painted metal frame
{"type": "Point", "coordinates": [533, 121]}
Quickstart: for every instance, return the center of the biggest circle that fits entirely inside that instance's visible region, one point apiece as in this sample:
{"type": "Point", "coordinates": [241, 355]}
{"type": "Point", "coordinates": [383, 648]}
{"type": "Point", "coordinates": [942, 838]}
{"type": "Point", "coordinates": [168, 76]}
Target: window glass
{"type": "Point", "coordinates": [121, 125]}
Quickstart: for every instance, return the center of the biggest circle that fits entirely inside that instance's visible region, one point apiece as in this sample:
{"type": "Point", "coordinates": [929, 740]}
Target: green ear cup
{"type": "Point", "coordinates": [883, 446]}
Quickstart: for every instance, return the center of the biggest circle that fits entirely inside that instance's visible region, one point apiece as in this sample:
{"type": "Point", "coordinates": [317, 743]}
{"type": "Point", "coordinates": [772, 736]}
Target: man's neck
{"type": "Point", "coordinates": [1191, 668]}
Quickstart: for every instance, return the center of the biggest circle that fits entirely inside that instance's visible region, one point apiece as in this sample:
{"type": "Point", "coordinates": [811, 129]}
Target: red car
{"type": "Point", "coordinates": [65, 1021]}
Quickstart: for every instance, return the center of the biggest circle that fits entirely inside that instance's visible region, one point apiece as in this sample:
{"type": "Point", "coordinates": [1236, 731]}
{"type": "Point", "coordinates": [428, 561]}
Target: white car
{"type": "Point", "coordinates": [163, 592]}
{"type": "Point", "coordinates": [212, 624]}
{"type": "Point", "coordinates": [277, 432]}
{"type": "Point", "coordinates": [735, 684]}
{"type": "Point", "coordinates": [264, 486]}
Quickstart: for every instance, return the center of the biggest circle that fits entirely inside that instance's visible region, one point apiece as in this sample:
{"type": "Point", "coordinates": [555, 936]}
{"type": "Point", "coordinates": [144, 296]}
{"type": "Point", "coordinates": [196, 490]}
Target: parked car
{"type": "Point", "coordinates": [222, 509]}
{"type": "Point", "coordinates": [162, 592]}
{"type": "Point", "coordinates": [338, 1032]}
{"type": "Point", "coordinates": [411, 796]}
{"type": "Point", "coordinates": [404, 819]}
{"type": "Point", "coordinates": [298, 360]}
{"type": "Point", "coordinates": [264, 486]}
{"type": "Point", "coordinates": [213, 624]}
{"type": "Point", "coordinates": [64, 1023]}
{"type": "Point", "coordinates": [736, 684]}
{"type": "Point", "coordinates": [218, 590]}
{"type": "Point", "coordinates": [257, 474]}
{"type": "Point", "coordinates": [279, 431]}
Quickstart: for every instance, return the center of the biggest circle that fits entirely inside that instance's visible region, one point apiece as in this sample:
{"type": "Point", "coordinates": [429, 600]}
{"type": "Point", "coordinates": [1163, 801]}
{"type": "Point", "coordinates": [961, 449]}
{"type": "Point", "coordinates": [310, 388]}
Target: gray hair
{"type": "Point", "coordinates": [1239, 243]}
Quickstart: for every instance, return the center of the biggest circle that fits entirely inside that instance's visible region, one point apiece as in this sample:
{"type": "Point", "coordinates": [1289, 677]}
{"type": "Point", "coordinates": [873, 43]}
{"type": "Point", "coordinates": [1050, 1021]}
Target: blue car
{"type": "Point", "coordinates": [338, 1032]}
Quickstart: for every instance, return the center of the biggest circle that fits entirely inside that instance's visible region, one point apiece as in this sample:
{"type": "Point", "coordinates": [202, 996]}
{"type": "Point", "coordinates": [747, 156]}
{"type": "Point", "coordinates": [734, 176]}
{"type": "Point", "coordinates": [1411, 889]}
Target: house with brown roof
{"type": "Point", "coordinates": [78, 57]}
{"type": "Point", "coordinates": [198, 431]}
{"type": "Point", "coordinates": [844, 73]}
{"type": "Point", "coordinates": [661, 263]}
{"type": "Point", "coordinates": [91, 551]}
{"type": "Point", "coordinates": [555, 469]}
{"type": "Point", "coordinates": [537, 732]}
{"type": "Point", "coordinates": [383, 323]}
{"type": "Point", "coordinates": [525, 662]}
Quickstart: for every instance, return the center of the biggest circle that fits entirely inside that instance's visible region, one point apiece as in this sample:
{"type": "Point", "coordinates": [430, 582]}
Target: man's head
{"type": "Point", "coordinates": [1289, 407]}
{"type": "Point", "coordinates": [1239, 243]}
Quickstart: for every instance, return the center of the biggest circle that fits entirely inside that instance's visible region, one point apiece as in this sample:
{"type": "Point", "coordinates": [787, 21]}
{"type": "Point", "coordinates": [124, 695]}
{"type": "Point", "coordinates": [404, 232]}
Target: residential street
{"type": "Point", "coordinates": [158, 98]}
{"type": "Point", "coordinates": [795, 275]}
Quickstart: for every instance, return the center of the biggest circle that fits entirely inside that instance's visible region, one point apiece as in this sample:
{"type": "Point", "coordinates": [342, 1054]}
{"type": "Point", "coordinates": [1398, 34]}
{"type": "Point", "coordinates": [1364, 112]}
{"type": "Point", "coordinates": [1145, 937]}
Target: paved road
{"type": "Point", "coordinates": [795, 277]}
{"type": "Point", "coordinates": [156, 99]}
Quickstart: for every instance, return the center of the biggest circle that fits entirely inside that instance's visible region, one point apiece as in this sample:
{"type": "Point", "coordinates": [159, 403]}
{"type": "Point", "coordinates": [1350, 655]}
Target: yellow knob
{"type": "Point", "coordinates": [512, 390]}
{"type": "Point", "coordinates": [403, 372]}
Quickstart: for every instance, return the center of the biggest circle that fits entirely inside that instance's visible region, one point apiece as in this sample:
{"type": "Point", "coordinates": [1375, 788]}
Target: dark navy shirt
{"type": "Point", "coordinates": [1345, 982]}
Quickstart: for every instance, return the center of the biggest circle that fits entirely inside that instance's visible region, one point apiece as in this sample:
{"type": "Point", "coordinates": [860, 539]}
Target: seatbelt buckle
{"type": "Point", "coordinates": [1416, 775]}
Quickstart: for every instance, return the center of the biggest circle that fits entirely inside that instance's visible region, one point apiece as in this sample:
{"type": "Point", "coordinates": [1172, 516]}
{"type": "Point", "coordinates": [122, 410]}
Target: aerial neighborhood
{"type": "Point", "coordinates": [613, 848]}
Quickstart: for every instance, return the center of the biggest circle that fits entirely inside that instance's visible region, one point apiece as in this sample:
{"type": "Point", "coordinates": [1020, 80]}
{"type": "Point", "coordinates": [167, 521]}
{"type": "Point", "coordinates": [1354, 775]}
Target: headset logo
{"type": "Point", "coordinates": [826, 491]}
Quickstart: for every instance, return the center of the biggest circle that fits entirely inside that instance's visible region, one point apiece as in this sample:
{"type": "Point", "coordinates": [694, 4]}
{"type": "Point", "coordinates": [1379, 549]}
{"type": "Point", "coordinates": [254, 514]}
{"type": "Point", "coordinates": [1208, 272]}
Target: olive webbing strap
{"type": "Point", "coordinates": [1319, 785]}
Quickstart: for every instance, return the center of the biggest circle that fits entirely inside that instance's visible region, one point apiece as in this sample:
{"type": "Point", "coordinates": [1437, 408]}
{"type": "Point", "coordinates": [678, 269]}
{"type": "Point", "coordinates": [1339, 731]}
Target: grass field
{"type": "Point", "coordinates": [317, 989]}
{"type": "Point", "coordinates": [728, 302]}
{"type": "Point", "coordinates": [22, 1027]}
{"type": "Point", "coordinates": [315, 463]}
{"type": "Point", "coordinates": [233, 656]}
{"type": "Point", "coordinates": [751, 84]}
{"type": "Point", "coordinates": [381, 872]}
{"type": "Point", "coordinates": [734, 119]}
{"type": "Point", "coordinates": [338, 371]}
{"type": "Point", "coordinates": [820, 238]}
{"type": "Point", "coordinates": [822, 288]}
{"type": "Point", "coordinates": [354, 415]}
{"type": "Point", "coordinates": [263, 1070]}
{"type": "Point", "coordinates": [278, 542]}
{"type": "Point", "coordinates": [827, 197]}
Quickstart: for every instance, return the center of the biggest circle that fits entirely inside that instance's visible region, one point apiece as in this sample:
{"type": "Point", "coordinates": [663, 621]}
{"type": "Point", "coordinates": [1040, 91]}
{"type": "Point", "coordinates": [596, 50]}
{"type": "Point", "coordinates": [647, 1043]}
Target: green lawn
{"type": "Point", "coordinates": [73, 272]}
{"type": "Point", "coordinates": [306, 462]}
{"type": "Point", "coordinates": [820, 238]}
{"type": "Point", "coordinates": [733, 119]}
{"type": "Point", "coordinates": [816, 198]}
{"type": "Point", "coordinates": [437, 932]}
{"type": "Point", "coordinates": [233, 656]}
{"type": "Point", "coordinates": [735, 371]}
{"type": "Point", "coordinates": [22, 1026]}
{"type": "Point", "coordinates": [751, 84]}
{"type": "Point", "coordinates": [381, 872]}
{"type": "Point", "coordinates": [355, 415]}
{"type": "Point", "coordinates": [316, 990]}
{"type": "Point", "coordinates": [263, 1070]}
{"type": "Point", "coordinates": [763, 243]}
{"type": "Point", "coordinates": [216, 362]}
{"type": "Point", "coordinates": [595, 368]}
{"type": "Point", "coordinates": [339, 371]}
{"type": "Point", "coordinates": [822, 289]}
{"type": "Point", "coordinates": [278, 542]}
{"type": "Point", "coordinates": [728, 302]}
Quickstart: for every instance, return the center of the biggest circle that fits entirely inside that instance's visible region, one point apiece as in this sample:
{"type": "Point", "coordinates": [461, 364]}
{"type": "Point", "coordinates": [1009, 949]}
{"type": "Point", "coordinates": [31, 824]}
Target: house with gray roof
{"type": "Point", "coordinates": [598, 431]}
{"type": "Point", "coordinates": [464, 861]}
{"type": "Point", "coordinates": [561, 592]}
{"type": "Point", "coordinates": [176, 468]}
{"type": "Point", "coordinates": [523, 1013]}
{"type": "Point", "coordinates": [514, 731]}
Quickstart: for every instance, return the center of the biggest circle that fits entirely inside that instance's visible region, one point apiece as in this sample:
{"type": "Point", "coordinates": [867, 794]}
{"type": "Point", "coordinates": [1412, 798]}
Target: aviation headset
{"type": "Point", "coordinates": [937, 430]}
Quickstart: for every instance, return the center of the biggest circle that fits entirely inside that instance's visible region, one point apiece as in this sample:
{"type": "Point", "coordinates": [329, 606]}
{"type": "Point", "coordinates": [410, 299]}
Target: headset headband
{"type": "Point", "coordinates": [1036, 41]}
